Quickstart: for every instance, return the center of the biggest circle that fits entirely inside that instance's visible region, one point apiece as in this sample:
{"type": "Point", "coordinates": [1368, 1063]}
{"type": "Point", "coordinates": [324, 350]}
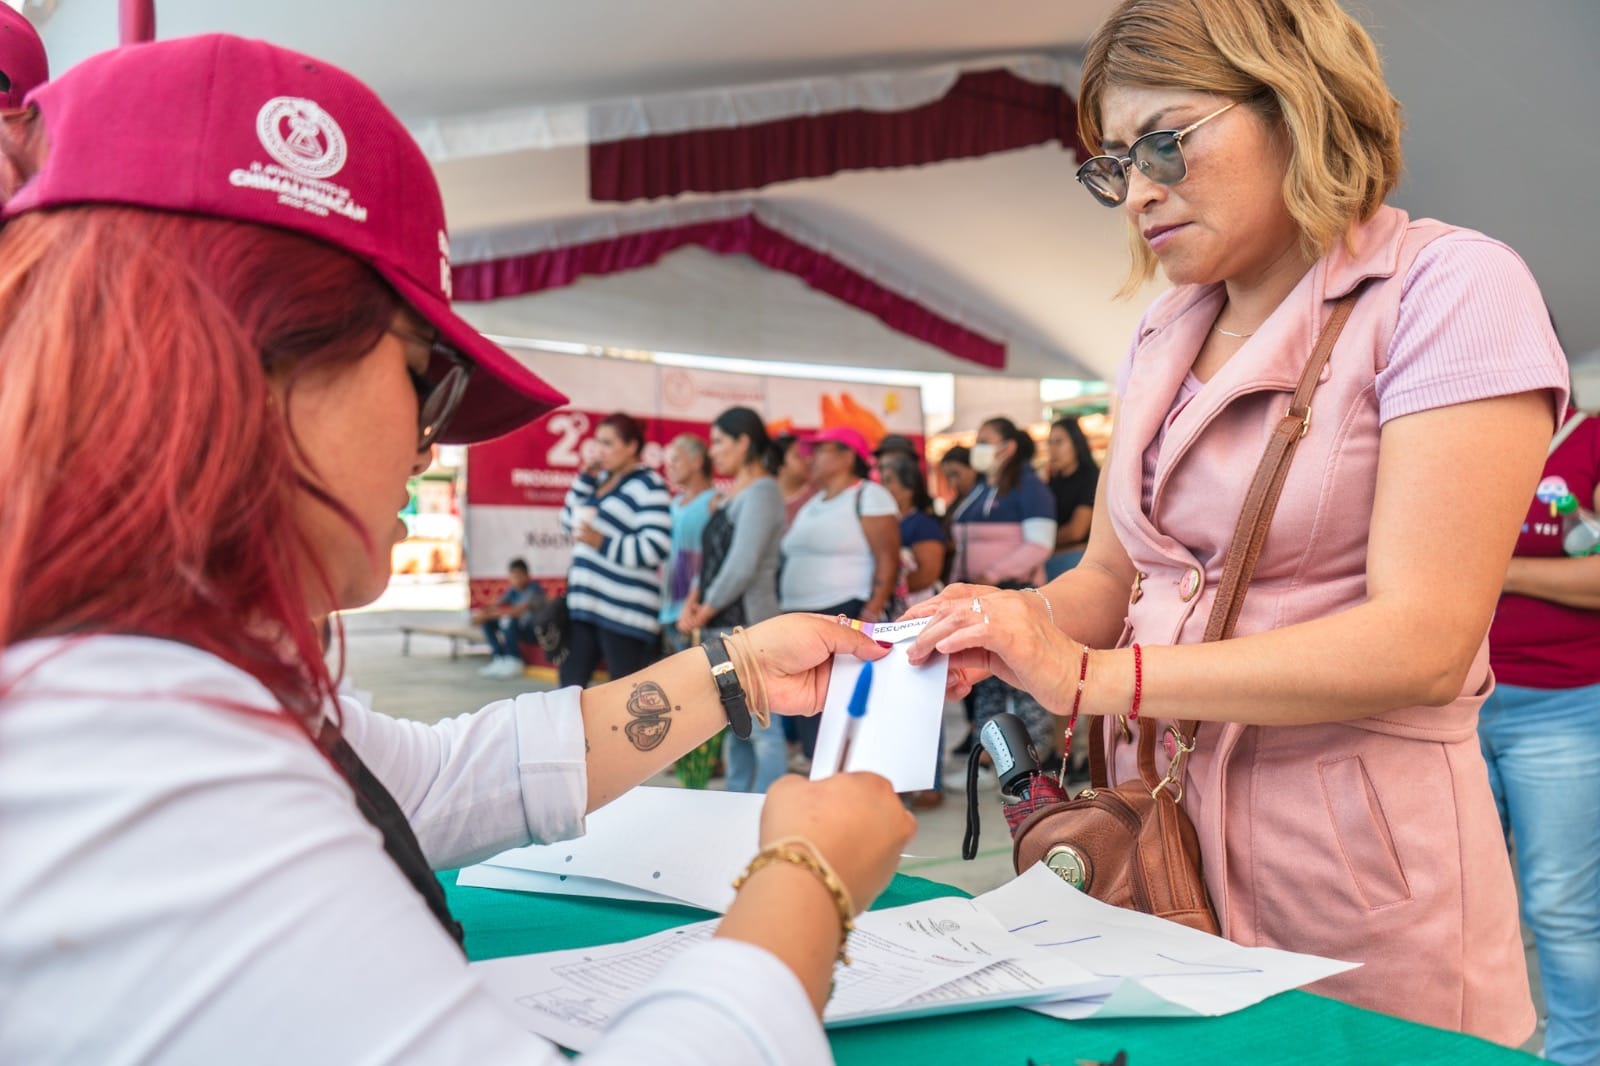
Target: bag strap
{"type": "Point", "coordinates": [1250, 533]}
{"type": "Point", "coordinates": [1565, 431]}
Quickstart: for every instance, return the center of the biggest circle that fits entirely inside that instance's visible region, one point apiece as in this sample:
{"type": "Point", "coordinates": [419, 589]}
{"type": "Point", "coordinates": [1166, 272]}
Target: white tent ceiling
{"type": "Point", "coordinates": [1499, 100]}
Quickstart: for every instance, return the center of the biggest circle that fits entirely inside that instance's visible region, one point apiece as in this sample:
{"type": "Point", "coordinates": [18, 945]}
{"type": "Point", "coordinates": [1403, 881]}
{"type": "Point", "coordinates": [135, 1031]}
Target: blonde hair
{"type": "Point", "coordinates": [1304, 62]}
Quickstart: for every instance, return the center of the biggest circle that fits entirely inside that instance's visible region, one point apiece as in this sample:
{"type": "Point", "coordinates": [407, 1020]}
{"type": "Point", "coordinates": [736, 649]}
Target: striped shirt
{"type": "Point", "coordinates": [617, 586]}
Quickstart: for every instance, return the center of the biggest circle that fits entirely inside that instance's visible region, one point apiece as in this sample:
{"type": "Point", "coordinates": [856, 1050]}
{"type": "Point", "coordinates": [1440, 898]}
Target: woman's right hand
{"type": "Point", "coordinates": [965, 671]}
{"type": "Point", "coordinates": [855, 821]}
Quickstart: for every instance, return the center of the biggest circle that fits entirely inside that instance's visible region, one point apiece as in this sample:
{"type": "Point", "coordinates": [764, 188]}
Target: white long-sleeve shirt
{"type": "Point", "coordinates": [184, 881]}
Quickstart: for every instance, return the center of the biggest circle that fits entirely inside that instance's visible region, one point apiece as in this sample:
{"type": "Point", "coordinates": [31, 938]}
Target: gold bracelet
{"type": "Point", "coordinates": [802, 852]}
{"type": "Point", "coordinates": [760, 705]}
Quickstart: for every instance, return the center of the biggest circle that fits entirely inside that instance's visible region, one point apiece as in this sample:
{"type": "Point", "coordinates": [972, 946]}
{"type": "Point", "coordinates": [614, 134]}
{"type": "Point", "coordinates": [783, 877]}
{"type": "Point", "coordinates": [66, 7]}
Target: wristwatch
{"type": "Point", "coordinates": [734, 704]}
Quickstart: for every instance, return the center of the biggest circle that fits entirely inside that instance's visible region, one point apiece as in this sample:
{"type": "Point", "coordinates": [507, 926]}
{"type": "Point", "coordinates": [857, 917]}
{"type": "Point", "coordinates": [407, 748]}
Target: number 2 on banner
{"type": "Point", "coordinates": [569, 426]}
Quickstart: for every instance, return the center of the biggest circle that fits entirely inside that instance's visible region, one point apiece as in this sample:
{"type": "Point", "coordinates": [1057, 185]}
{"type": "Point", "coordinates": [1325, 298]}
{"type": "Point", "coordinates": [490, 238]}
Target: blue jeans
{"type": "Point", "coordinates": [754, 764]}
{"type": "Point", "coordinates": [503, 635]}
{"type": "Point", "coordinates": [1540, 747]}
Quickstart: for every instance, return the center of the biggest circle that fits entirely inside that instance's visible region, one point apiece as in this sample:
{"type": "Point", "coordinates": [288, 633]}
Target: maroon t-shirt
{"type": "Point", "coordinates": [1536, 643]}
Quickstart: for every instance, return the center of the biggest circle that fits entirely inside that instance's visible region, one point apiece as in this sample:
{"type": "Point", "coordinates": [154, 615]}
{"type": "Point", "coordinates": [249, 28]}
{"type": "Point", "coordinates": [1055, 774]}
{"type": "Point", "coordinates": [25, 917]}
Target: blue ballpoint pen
{"type": "Point", "coordinates": [858, 711]}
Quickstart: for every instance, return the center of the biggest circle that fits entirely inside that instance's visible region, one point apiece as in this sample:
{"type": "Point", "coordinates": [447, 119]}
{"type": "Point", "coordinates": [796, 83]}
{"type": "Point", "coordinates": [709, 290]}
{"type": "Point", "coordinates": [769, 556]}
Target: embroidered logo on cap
{"type": "Point", "coordinates": [301, 136]}
{"type": "Point", "coordinates": [309, 148]}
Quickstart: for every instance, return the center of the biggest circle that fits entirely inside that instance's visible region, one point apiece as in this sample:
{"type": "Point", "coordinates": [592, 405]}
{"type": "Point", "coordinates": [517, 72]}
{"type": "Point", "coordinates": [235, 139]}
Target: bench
{"type": "Point", "coordinates": [457, 635]}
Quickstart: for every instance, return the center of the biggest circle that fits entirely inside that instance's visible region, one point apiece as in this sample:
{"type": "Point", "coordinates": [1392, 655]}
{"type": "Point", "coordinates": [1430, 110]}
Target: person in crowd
{"type": "Point", "coordinates": [619, 514]}
{"type": "Point", "coordinates": [509, 621]}
{"type": "Point", "coordinates": [1073, 477]}
{"type": "Point", "coordinates": [1535, 728]}
{"type": "Point", "coordinates": [1002, 539]}
{"type": "Point", "coordinates": [955, 466]}
{"type": "Point", "coordinates": [689, 473]}
{"type": "Point", "coordinates": [841, 555]}
{"type": "Point", "coordinates": [895, 444]}
{"type": "Point", "coordinates": [922, 555]}
{"type": "Point", "coordinates": [197, 827]}
{"type": "Point", "coordinates": [787, 462]}
{"type": "Point", "coordinates": [23, 62]}
{"type": "Point", "coordinates": [1336, 787]}
{"type": "Point", "coordinates": [922, 540]}
{"type": "Point", "coordinates": [738, 583]}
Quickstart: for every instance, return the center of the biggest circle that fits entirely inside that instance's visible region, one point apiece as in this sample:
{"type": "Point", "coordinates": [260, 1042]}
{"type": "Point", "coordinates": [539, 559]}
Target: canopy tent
{"type": "Point", "coordinates": [562, 132]}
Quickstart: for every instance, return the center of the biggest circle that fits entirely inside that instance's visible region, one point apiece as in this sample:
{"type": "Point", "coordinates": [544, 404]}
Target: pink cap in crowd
{"type": "Point", "coordinates": [850, 438]}
{"type": "Point", "coordinates": [244, 130]}
{"type": "Point", "coordinates": [23, 64]}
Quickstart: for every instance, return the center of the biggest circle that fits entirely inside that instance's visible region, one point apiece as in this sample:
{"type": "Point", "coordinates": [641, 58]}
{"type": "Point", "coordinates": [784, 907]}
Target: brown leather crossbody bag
{"type": "Point", "coordinates": [1133, 845]}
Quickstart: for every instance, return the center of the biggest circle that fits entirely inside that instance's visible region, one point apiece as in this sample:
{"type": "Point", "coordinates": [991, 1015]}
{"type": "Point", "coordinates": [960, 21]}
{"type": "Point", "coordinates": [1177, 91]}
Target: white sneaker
{"type": "Point", "coordinates": [511, 667]}
{"type": "Point", "coordinates": [493, 669]}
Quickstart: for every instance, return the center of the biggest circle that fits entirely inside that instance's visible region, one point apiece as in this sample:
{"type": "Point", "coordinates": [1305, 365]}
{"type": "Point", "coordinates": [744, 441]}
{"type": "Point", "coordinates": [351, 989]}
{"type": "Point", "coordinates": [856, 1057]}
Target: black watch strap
{"type": "Point", "coordinates": [734, 704]}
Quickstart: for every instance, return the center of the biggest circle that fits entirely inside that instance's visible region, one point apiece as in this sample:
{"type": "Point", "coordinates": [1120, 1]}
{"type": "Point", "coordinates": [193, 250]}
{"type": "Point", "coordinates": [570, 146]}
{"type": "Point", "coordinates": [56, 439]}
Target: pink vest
{"type": "Point", "coordinates": [1375, 840]}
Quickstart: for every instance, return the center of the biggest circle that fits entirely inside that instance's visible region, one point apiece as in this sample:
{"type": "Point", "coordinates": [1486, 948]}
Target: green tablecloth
{"type": "Point", "coordinates": [1293, 1027]}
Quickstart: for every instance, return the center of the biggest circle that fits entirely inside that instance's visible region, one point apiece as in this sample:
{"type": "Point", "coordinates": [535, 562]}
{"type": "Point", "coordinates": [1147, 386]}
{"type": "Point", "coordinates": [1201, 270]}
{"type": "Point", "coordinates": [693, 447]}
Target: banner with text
{"type": "Point", "coordinates": [515, 485]}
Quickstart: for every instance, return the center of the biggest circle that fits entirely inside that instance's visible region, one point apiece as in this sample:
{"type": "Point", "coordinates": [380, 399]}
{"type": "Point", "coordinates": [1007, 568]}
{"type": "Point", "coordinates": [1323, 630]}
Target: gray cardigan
{"type": "Point", "coordinates": [750, 570]}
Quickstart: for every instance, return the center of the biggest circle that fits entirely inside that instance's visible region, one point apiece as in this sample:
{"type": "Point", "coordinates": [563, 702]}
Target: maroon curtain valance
{"type": "Point", "coordinates": [984, 111]}
{"type": "Point", "coordinates": [519, 275]}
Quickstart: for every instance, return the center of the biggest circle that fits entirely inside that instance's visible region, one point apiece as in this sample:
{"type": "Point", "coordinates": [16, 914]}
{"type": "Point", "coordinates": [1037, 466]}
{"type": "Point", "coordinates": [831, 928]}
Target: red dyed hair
{"type": "Point", "coordinates": [150, 480]}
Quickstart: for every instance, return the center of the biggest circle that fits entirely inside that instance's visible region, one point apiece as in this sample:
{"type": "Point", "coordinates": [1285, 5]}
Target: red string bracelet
{"type": "Point", "coordinates": [1072, 719]}
{"type": "Point", "coordinates": [1138, 683]}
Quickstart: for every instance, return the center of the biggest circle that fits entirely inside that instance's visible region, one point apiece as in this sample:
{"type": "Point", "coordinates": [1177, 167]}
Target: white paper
{"type": "Point", "coordinates": [1016, 973]}
{"type": "Point", "coordinates": [1160, 968]}
{"type": "Point", "coordinates": [484, 875]}
{"type": "Point", "coordinates": [899, 735]}
{"type": "Point", "coordinates": [685, 844]}
{"type": "Point", "coordinates": [939, 957]}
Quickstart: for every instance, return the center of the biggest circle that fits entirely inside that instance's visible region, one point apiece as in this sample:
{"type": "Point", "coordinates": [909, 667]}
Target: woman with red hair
{"type": "Point", "coordinates": [225, 343]}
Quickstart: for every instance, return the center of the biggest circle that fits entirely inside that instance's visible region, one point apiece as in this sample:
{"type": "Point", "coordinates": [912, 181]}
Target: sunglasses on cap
{"type": "Point", "coordinates": [437, 401]}
{"type": "Point", "coordinates": [1158, 155]}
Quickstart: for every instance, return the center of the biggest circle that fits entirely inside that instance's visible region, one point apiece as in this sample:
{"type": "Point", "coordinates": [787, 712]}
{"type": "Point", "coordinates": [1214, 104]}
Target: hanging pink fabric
{"type": "Point", "coordinates": [554, 268]}
{"type": "Point", "coordinates": [136, 21]}
{"type": "Point", "coordinates": [984, 111]}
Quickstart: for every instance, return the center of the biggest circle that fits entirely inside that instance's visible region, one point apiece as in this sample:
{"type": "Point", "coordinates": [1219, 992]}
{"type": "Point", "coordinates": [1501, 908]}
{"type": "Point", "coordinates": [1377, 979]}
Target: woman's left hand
{"type": "Point", "coordinates": [1008, 634]}
{"type": "Point", "coordinates": [795, 652]}
{"type": "Point", "coordinates": [589, 535]}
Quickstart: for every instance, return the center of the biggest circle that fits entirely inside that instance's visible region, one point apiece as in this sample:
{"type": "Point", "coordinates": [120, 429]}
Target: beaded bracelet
{"type": "Point", "coordinates": [1138, 683]}
{"type": "Point", "coordinates": [802, 852]}
{"type": "Point", "coordinates": [1077, 698]}
{"type": "Point", "coordinates": [1049, 609]}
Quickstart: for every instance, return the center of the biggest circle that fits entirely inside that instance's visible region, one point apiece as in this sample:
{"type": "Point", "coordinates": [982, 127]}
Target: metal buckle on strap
{"type": "Point", "coordinates": [1174, 779]}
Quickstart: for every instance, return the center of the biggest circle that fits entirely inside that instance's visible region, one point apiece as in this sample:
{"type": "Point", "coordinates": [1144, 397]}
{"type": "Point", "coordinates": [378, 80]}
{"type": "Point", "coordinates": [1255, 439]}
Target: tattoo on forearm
{"type": "Point", "coordinates": [649, 705]}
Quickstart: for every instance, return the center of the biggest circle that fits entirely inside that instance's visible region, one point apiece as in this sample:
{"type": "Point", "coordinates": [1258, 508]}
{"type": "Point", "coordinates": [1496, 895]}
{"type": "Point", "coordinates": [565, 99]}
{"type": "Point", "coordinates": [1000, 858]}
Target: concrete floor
{"type": "Point", "coordinates": [428, 685]}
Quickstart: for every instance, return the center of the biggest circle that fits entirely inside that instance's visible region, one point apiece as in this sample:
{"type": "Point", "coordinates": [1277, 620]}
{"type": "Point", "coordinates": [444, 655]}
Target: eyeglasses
{"type": "Point", "coordinates": [437, 401]}
{"type": "Point", "coordinates": [1158, 155]}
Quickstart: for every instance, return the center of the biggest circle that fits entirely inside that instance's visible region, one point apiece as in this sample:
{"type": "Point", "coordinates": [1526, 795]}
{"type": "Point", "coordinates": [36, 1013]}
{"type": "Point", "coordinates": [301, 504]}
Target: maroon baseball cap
{"type": "Point", "coordinates": [245, 130]}
{"type": "Point", "coordinates": [23, 62]}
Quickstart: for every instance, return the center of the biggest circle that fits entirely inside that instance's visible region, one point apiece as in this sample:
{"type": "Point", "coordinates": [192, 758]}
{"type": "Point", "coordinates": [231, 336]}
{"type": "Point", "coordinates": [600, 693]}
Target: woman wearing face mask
{"type": "Point", "coordinates": [1002, 538]}
{"type": "Point", "coordinates": [198, 827]}
{"type": "Point", "coordinates": [619, 514]}
{"type": "Point", "coordinates": [1339, 798]}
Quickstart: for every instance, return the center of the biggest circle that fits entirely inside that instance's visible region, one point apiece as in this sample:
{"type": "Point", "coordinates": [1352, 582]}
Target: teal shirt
{"type": "Point", "coordinates": [689, 520]}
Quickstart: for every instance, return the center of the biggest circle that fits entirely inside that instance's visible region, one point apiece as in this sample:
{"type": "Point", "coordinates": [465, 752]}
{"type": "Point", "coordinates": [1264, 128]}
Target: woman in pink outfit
{"type": "Point", "coordinates": [1340, 800]}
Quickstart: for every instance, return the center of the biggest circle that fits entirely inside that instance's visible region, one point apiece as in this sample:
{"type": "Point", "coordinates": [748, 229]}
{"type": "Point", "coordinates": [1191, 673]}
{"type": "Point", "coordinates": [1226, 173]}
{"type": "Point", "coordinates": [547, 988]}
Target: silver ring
{"type": "Point", "coordinates": [977, 608]}
{"type": "Point", "coordinates": [985, 619]}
